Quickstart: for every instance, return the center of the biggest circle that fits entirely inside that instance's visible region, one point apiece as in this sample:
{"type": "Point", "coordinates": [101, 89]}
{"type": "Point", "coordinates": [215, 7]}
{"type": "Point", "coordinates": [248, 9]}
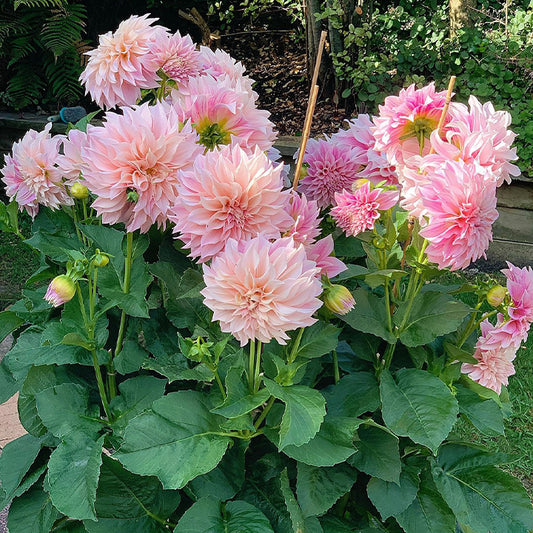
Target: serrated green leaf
{"type": "Point", "coordinates": [73, 472]}
{"type": "Point", "coordinates": [318, 339]}
{"type": "Point", "coordinates": [369, 315]}
{"type": "Point", "coordinates": [432, 314]}
{"type": "Point", "coordinates": [295, 512]}
{"type": "Point", "coordinates": [9, 322]}
{"type": "Point", "coordinates": [377, 453]}
{"type": "Point", "coordinates": [485, 414]}
{"type": "Point", "coordinates": [211, 516]}
{"type": "Point", "coordinates": [177, 440]}
{"type": "Point", "coordinates": [305, 409]}
{"type": "Point", "coordinates": [458, 354]}
{"type": "Point", "coordinates": [380, 277]}
{"type": "Point", "coordinates": [33, 511]}
{"type": "Point", "coordinates": [419, 406]}
{"type": "Point", "coordinates": [319, 488]}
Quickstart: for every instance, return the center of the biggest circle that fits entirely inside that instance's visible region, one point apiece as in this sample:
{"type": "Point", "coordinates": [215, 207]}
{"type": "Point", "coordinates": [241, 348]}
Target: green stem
{"type": "Point", "coordinates": [388, 305]}
{"type": "Point", "coordinates": [265, 412]}
{"type": "Point", "coordinates": [251, 367]}
{"type": "Point", "coordinates": [387, 357]}
{"type": "Point", "coordinates": [84, 205]}
{"type": "Point", "coordinates": [336, 374]}
{"type": "Point", "coordinates": [82, 307]}
{"type": "Point", "coordinates": [295, 346]}
{"type": "Point", "coordinates": [257, 369]}
{"type": "Point", "coordinates": [219, 382]}
{"type": "Point", "coordinates": [101, 388]}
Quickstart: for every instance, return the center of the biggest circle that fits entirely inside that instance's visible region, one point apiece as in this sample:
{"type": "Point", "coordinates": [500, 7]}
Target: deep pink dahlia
{"type": "Point", "coordinates": [357, 211]}
{"type": "Point", "coordinates": [330, 169]}
{"type": "Point", "coordinates": [31, 175]}
{"type": "Point", "coordinates": [229, 194]}
{"type": "Point", "coordinates": [134, 162]}
{"type": "Point", "coordinates": [223, 114]}
{"type": "Point", "coordinates": [305, 219]}
{"type": "Point", "coordinates": [259, 289]}
{"type": "Point", "coordinates": [495, 362]}
{"type": "Point", "coordinates": [405, 122]}
{"type": "Point", "coordinates": [520, 286]}
{"type": "Point", "coordinates": [461, 208]}
{"type": "Point", "coordinates": [320, 252]}
{"type": "Point", "coordinates": [123, 63]}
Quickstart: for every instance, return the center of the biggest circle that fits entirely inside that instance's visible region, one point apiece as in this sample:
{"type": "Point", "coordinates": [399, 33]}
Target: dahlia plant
{"type": "Point", "coordinates": [204, 348]}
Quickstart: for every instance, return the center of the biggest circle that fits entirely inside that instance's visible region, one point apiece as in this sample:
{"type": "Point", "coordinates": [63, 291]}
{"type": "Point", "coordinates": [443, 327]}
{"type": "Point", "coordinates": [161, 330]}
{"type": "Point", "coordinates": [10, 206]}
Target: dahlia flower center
{"type": "Point", "coordinates": [469, 214]}
{"type": "Point", "coordinates": [236, 216]}
{"type": "Point", "coordinates": [176, 67]}
{"type": "Point", "coordinates": [213, 135]}
{"type": "Point", "coordinates": [421, 128]}
{"type": "Point", "coordinates": [252, 299]}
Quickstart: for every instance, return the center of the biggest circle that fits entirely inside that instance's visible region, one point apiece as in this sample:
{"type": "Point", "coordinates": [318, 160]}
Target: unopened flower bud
{"type": "Point", "coordinates": [79, 191]}
{"type": "Point", "coordinates": [338, 299]}
{"type": "Point", "coordinates": [132, 196]}
{"type": "Point", "coordinates": [100, 260]}
{"type": "Point", "coordinates": [379, 242]}
{"type": "Point", "coordinates": [61, 289]}
{"type": "Point", "coordinates": [496, 295]}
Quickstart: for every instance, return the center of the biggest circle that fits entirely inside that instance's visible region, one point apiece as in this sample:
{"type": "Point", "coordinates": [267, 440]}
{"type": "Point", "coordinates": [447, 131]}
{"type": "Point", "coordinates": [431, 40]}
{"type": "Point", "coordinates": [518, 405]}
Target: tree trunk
{"type": "Point", "coordinates": [313, 28]}
{"type": "Point", "coordinates": [460, 14]}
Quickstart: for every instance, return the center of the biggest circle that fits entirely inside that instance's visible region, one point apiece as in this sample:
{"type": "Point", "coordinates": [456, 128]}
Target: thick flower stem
{"type": "Point", "coordinates": [257, 369]}
{"type": "Point", "coordinates": [219, 383]}
{"type": "Point", "coordinates": [295, 346]}
{"type": "Point", "coordinates": [336, 374]}
{"type": "Point", "coordinates": [122, 327]}
{"type": "Point", "coordinates": [251, 367]}
{"type": "Point", "coordinates": [265, 412]}
{"type": "Point", "coordinates": [101, 388]}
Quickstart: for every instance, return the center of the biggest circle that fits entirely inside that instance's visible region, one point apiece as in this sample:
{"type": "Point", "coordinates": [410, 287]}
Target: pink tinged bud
{"type": "Point", "coordinates": [60, 290]}
{"type": "Point", "coordinates": [338, 299]}
{"type": "Point", "coordinates": [79, 191]}
{"type": "Point", "coordinates": [496, 295]}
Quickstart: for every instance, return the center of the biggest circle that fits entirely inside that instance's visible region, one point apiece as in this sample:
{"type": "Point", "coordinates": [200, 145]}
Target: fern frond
{"type": "Point", "coordinates": [64, 28]}
{"type": "Point", "coordinates": [25, 88]}
{"type": "Point", "coordinates": [39, 3]}
{"type": "Point", "coordinates": [21, 47]}
{"type": "Point", "coordinates": [63, 77]}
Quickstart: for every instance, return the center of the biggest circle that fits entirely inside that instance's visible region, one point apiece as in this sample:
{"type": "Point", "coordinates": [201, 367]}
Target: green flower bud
{"type": "Point", "coordinates": [61, 289]}
{"type": "Point", "coordinates": [338, 299]}
{"type": "Point", "coordinates": [496, 295]}
{"type": "Point", "coordinates": [100, 260]}
{"type": "Point", "coordinates": [379, 242]}
{"type": "Point", "coordinates": [79, 191]}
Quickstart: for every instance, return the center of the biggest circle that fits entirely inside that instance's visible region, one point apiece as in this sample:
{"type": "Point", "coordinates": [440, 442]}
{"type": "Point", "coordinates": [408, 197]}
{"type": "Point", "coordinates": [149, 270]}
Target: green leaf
{"type": "Point", "coordinates": [432, 314]}
{"type": "Point", "coordinates": [428, 512]}
{"type": "Point", "coordinates": [377, 453]}
{"type": "Point", "coordinates": [482, 497]}
{"type": "Point", "coordinates": [485, 414]}
{"type": "Point", "coordinates": [9, 322]}
{"type": "Point", "coordinates": [369, 315]}
{"type": "Point", "coordinates": [211, 516]}
{"type": "Point", "coordinates": [15, 461]}
{"type": "Point", "coordinates": [175, 367]}
{"type": "Point", "coordinates": [333, 443]}
{"type": "Point", "coordinates": [108, 240]}
{"type": "Point", "coordinates": [136, 395]}
{"type": "Point", "coordinates": [8, 384]}
{"type": "Point", "coordinates": [380, 277]}
{"type": "Point", "coordinates": [177, 440]}
{"type": "Point", "coordinates": [65, 408]}
{"type": "Point", "coordinates": [353, 271]}
{"type": "Point", "coordinates": [419, 406]}
{"type": "Point", "coordinates": [391, 499]}
{"type": "Point", "coordinates": [127, 503]}
{"type": "Point", "coordinates": [225, 480]}
{"type": "Point", "coordinates": [305, 409]}
{"type": "Point", "coordinates": [73, 472]}
{"type": "Point", "coordinates": [353, 395]}
{"type": "Point", "coordinates": [32, 512]}
{"type": "Point", "coordinates": [318, 339]}
{"type": "Point", "coordinates": [319, 488]}
{"type": "Point", "coordinates": [295, 512]}
{"type": "Point", "coordinates": [458, 354]}
{"type": "Point", "coordinates": [348, 247]}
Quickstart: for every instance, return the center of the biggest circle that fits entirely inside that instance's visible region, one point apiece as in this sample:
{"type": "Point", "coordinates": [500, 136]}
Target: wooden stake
{"type": "Point", "coordinates": [318, 61]}
{"type": "Point", "coordinates": [305, 135]}
{"type": "Point", "coordinates": [445, 109]}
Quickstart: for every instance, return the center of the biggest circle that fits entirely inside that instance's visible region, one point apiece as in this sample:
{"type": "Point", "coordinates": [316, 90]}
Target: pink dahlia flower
{"type": "Point", "coordinates": [229, 194]}
{"type": "Point", "coordinates": [71, 161]}
{"type": "Point", "coordinates": [358, 211]}
{"type": "Point", "coordinates": [259, 289]}
{"type": "Point", "coordinates": [405, 122]}
{"type": "Point", "coordinates": [123, 63]}
{"type": "Point", "coordinates": [330, 169]}
{"type": "Point", "coordinates": [305, 219]}
{"type": "Point", "coordinates": [461, 208]}
{"type": "Point", "coordinates": [506, 333]}
{"type": "Point", "coordinates": [495, 362]}
{"type": "Point", "coordinates": [134, 162]}
{"type": "Point", "coordinates": [30, 173]}
{"type": "Point", "coordinates": [520, 286]}
{"type": "Point", "coordinates": [359, 138]}
{"type": "Point", "coordinates": [223, 114]}
{"type": "Point", "coordinates": [320, 252]}
{"type": "Point", "coordinates": [177, 56]}
{"type": "Point", "coordinates": [219, 64]}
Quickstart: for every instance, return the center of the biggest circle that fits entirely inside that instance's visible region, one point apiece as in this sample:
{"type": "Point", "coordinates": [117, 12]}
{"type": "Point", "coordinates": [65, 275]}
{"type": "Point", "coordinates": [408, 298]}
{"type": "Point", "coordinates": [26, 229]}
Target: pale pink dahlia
{"type": "Point", "coordinates": [359, 138]}
{"type": "Point", "coordinates": [358, 211]}
{"type": "Point", "coordinates": [305, 219]}
{"type": "Point", "coordinates": [223, 114]}
{"type": "Point", "coordinates": [71, 161]}
{"type": "Point", "coordinates": [123, 63]}
{"type": "Point", "coordinates": [330, 169]}
{"type": "Point", "coordinates": [229, 194]}
{"type": "Point", "coordinates": [134, 162]}
{"type": "Point", "coordinates": [177, 56]}
{"type": "Point", "coordinates": [507, 333]}
{"type": "Point", "coordinates": [259, 289]}
{"type": "Point", "coordinates": [405, 122]}
{"type": "Point", "coordinates": [320, 252]}
{"type": "Point", "coordinates": [495, 362]}
{"type": "Point", "coordinates": [461, 208]}
{"type": "Point", "coordinates": [31, 175]}
{"type": "Point", "coordinates": [520, 286]}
